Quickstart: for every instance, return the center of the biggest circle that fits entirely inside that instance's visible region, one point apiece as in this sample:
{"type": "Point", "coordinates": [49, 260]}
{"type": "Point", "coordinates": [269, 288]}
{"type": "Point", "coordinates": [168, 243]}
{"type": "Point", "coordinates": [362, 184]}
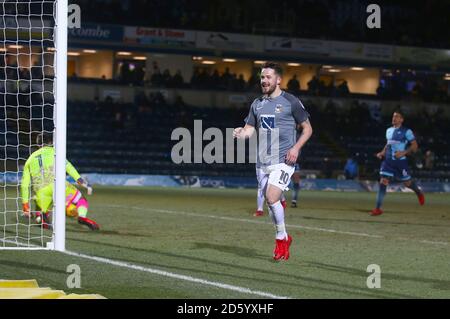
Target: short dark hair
{"type": "Point", "coordinates": [44, 138]}
{"type": "Point", "coordinates": [399, 112]}
{"type": "Point", "coordinates": [274, 66]}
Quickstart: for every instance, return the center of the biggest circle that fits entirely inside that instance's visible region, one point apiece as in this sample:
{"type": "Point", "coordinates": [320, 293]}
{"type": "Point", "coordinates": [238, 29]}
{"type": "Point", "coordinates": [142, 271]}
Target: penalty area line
{"type": "Point", "coordinates": [176, 276]}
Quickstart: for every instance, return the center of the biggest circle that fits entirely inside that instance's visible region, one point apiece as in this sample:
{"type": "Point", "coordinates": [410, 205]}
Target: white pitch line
{"type": "Point", "coordinates": [328, 230]}
{"type": "Point", "coordinates": [433, 242]}
{"type": "Point", "coordinates": [245, 220]}
{"type": "Point", "coordinates": [177, 276]}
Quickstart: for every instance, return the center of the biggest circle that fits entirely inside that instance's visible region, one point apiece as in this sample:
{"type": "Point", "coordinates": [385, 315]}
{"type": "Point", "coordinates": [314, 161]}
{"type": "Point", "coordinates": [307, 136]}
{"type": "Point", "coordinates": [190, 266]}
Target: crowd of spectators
{"type": "Point", "coordinates": [321, 19]}
{"type": "Point", "coordinates": [22, 86]}
{"type": "Point", "coordinates": [401, 85]}
{"type": "Point", "coordinates": [204, 79]}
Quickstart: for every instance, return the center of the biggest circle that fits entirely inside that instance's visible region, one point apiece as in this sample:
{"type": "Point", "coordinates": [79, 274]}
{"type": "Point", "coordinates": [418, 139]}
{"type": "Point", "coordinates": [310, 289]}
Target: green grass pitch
{"type": "Point", "coordinates": [211, 235]}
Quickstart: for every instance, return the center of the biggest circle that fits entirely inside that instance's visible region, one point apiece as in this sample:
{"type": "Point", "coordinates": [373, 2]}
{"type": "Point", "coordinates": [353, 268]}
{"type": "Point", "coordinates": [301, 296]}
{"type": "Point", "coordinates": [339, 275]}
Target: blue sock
{"type": "Point", "coordinates": [296, 188]}
{"type": "Point", "coordinates": [414, 187]}
{"type": "Point", "coordinates": [380, 195]}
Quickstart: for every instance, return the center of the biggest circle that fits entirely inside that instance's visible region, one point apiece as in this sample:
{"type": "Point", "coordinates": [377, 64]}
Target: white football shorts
{"type": "Point", "coordinates": [278, 175]}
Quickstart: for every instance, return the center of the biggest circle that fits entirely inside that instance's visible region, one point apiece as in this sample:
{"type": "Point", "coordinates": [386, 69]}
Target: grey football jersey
{"type": "Point", "coordinates": [277, 118]}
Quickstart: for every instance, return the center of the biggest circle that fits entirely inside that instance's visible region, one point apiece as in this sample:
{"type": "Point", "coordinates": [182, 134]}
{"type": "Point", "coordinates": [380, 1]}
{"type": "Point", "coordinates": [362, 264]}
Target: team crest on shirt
{"type": "Point", "coordinates": [278, 108]}
{"type": "Point", "coordinates": [267, 121]}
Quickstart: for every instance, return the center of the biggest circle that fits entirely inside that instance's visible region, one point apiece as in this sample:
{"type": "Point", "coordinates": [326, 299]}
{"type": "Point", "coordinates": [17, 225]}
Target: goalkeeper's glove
{"type": "Point", "coordinates": [26, 209]}
{"type": "Point", "coordinates": [85, 184]}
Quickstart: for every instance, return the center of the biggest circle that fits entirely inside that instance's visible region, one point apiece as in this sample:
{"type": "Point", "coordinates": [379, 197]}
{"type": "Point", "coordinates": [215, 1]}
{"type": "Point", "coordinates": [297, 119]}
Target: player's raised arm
{"type": "Point", "coordinates": [72, 171]}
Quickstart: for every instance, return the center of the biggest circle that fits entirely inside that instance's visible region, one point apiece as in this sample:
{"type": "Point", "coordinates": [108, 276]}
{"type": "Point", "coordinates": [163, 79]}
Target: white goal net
{"type": "Point", "coordinates": [29, 103]}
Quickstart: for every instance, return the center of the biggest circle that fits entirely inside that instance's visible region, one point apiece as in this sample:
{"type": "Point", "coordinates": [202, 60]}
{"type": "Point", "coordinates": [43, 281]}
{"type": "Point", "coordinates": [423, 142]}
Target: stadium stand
{"type": "Point", "coordinates": [319, 19]}
{"type": "Point", "coordinates": [109, 140]}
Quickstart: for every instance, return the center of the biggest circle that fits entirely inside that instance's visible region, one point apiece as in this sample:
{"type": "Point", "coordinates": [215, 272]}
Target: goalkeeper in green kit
{"type": "Point", "coordinates": [39, 172]}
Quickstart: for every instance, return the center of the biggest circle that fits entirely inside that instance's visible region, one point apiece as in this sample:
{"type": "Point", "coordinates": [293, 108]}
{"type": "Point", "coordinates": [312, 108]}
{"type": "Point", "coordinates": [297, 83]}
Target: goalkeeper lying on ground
{"type": "Point", "coordinates": [39, 171]}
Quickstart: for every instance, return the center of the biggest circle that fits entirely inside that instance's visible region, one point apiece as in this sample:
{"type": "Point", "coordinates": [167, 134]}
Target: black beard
{"type": "Point", "coordinates": [271, 89]}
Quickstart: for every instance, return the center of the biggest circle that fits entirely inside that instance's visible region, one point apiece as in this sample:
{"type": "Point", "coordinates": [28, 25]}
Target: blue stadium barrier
{"type": "Point", "coordinates": [12, 179]}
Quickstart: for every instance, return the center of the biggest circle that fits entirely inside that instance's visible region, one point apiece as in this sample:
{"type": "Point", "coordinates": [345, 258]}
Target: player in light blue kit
{"type": "Point", "coordinates": [395, 164]}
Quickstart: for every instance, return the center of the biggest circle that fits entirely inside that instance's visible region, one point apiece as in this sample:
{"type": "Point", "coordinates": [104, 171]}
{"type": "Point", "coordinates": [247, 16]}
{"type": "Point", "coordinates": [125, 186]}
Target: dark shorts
{"type": "Point", "coordinates": [297, 167]}
{"type": "Point", "coordinates": [395, 170]}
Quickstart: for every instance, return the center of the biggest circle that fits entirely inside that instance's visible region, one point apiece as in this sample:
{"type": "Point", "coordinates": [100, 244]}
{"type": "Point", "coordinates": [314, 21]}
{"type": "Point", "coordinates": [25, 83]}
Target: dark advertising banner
{"type": "Point", "coordinates": [97, 32]}
{"type": "Point", "coordinates": [159, 36]}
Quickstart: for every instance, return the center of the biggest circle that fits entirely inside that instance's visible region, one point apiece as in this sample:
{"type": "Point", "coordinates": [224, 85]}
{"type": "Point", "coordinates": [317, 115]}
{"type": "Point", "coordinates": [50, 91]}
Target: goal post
{"type": "Point", "coordinates": [33, 94]}
{"type": "Point", "coordinates": [60, 93]}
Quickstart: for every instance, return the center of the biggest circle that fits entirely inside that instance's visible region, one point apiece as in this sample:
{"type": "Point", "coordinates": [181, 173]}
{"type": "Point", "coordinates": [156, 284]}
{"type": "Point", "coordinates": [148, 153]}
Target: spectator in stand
{"type": "Point", "coordinates": [139, 75]}
{"type": "Point", "coordinates": [351, 169]}
{"type": "Point", "coordinates": [157, 78]}
{"type": "Point", "coordinates": [293, 85]}
{"type": "Point", "coordinates": [381, 90]}
{"type": "Point", "coordinates": [226, 79]}
{"type": "Point", "coordinates": [429, 160]}
{"type": "Point", "coordinates": [177, 80]}
{"type": "Point", "coordinates": [203, 80]}
{"type": "Point", "coordinates": [195, 79]}
{"type": "Point", "coordinates": [232, 82]}
{"type": "Point", "coordinates": [215, 79]}
{"type": "Point", "coordinates": [331, 89]}
{"type": "Point", "coordinates": [323, 89]}
{"type": "Point", "coordinates": [343, 89]}
{"type": "Point", "coordinates": [313, 86]}
{"type": "Point", "coordinates": [166, 78]}
{"type": "Point", "coordinates": [125, 72]}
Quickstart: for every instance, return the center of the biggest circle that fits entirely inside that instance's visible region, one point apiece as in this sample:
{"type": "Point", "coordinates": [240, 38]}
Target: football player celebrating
{"type": "Point", "coordinates": [275, 117]}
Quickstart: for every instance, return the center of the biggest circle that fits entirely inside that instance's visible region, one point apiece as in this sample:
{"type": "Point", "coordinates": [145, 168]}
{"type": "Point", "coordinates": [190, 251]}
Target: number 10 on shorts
{"type": "Point", "coordinates": [284, 177]}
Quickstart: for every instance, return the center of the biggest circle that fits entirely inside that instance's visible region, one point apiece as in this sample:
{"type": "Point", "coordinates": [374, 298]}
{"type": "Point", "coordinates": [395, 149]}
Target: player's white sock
{"type": "Point", "coordinates": [260, 199]}
{"type": "Point", "coordinates": [283, 198]}
{"type": "Point", "coordinates": [277, 214]}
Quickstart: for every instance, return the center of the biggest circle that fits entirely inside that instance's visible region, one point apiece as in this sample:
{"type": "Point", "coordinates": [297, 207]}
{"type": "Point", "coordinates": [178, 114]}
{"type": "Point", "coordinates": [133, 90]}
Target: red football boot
{"type": "Point", "coordinates": [89, 223]}
{"type": "Point", "coordinates": [283, 203]}
{"type": "Point", "coordinates": [421, 198]}
{"type": "Point", "coordinates": [376, 212]}
{"type": "Point", "coordinates": [287, 243]}
{"type": "Point", "coordinates": [278, 252]}
{"type": "Point", "coordinates": [258, 213]}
